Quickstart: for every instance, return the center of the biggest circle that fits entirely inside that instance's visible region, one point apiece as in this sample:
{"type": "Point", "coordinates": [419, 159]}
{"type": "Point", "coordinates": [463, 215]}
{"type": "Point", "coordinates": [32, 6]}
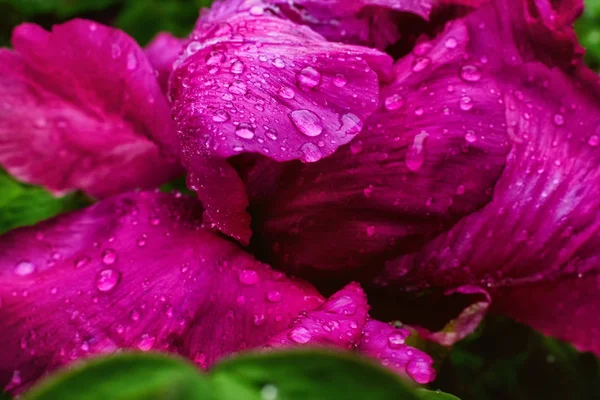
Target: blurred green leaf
{"type": "Point", "coordinates": [60, 8]}
{"type": "Point", "coordinates": [143, 19]}
{"type": "Point", "coordinates": [125, 376]}
{"type": "Point", "coordinates": [588, 31]}
{"type": "Point", "coordinates": [4, 396]}
{"type": "Point", "coordinates": [508, 360]}
{"type": "Point", "coordinates": [22, 204]}
{"type": "Point", "coordinates": [298, 374]}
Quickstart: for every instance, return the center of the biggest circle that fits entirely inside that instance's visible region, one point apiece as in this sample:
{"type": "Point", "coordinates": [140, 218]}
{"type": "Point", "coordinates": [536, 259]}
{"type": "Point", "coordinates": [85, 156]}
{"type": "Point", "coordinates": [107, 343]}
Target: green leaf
{"type": "Point", "coordinates": [126, 376]}
{"type": "Point", "coordinates": [4, 396]}
{"type": "Point", "coordinates": [302, 374]}
{"type": "Point", "coordinates": [22, 204]}
{"type": "Point", "coordinates": [144, 19]}
{"type": "Point", "coordinates": [299, 374]}
{"type": "Point", "coordinates": [60, 8]}
{"type": "Point", "coordinates": [588, 32]}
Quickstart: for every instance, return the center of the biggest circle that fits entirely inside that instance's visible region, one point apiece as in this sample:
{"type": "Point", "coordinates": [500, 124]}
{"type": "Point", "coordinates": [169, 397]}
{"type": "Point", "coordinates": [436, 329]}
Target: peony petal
{"type": "Point", "coordinates": [408, 177]}
{"type": "Point", "coordinates": [387, 343]}
{"type": "Point", "coordinates": [264, 85]}
{"type": "Point", "coordinates": [140, 271]}
{"type": "Point", "coordinates": [162, 52]}
{"type": "Point", "coordinates": [79, 104]}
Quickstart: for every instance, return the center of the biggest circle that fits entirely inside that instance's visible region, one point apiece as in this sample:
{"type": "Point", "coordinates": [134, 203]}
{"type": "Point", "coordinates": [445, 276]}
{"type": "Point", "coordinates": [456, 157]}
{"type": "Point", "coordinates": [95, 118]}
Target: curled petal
{"type": "Point", "coordinates": [162, 52]}
{"type": "Point", "coordinates": [386, 343]}
{"type": "Point", "coordinates": [79, 105]}
{"type": "Point", "coordinates": [140, 271]}
{"type": "Point", "coordinates": [264, 85]}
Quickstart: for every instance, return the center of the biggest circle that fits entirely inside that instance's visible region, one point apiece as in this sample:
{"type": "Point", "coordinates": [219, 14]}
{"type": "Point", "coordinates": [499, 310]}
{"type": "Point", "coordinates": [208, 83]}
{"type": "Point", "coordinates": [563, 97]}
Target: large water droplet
{"type": "Point", "coordinates": [109, 257]}
{"type": "Point", "coordinates": [300, 335]}
{"type": "Point", "coordinates": [248, 277]}
{"type": "Point", "coordinates": [107, 279]}
{"type": "Point", "coordinates": [310, 152]}
{"type": "Point", "coordinates": [470, 73]}
{"type": "Point", "coordinates": [393, 102]}
{"type": "Point", "coordinates": [415, 156]}
{"type": "Point", "coordinates": [419, 370]}
{"type": "Point", "coordinates": [244, 131]}
{"type": "Point", "coordinates": [308, 78]}
{"type": "Point", "coordinates": [24, 268]}
{"type": "Point", "coordinates": [307, 122]}
{"type": "Point", "coordinates": [146, 342]}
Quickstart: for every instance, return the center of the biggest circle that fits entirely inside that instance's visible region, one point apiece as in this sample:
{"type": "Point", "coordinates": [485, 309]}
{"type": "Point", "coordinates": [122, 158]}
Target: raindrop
{"type": "Point", "coordinates": [470, 73]}
{"type": "Point", "coordinates": [466, 103]}
{"type": "Point", "coordinates": [594, 141]}
{"type": "Point", "coordinates": [558, 119]}
{"type": "Point", "coordinates": [286, 92]}
{"type": "Point", "coordinates": [470, 137]}
{"type": "Point", "coordinates": [107, 279]}
{"type": "Point", "coordinates": [421, 63]}
{"type": "Point", "coordinates": [460, 190]}
{"type": "Point", "coordinates": [419, 370]}
{"type": "Point", "coordinates": [278, 62]}
{"type": "Point", "coordinates": [132, 62]}
{"type": "Point", "coordinates": [273, 296]}
{"type": "Point", "coordinates": [244, 131]}
{"type": "Point", "coordinates": [134, 315]}
{"type": "Point", "coordinates": [115, 51]}
{"type": "Point", "coordinates": [307, 122]}
{"type": "Point", "coordinates": [237, 67]}
{"type": "Point", "coordinates": [351, 124]}
{"type": "Point", "coordinates": [370, 230]}
{"type": "Point", "coordinates": [393, 102]}
{"type": "Point", "coordinates": [109, 257]}
{"type": "Point", "coordinates": [238, 87]}
{"type": "Point", "coordinates": [258, 319]}
{"type": "Point", "coordinates": [220, 116]}
{"type": "Point", "coordinates": [146, 342]}
{"type": "Point", "coordinates": [451, 43]}
{"type": "Point", "coordinates": [310, 152]}
{"type": "Point", "coordinates": [340, 80]}
{"type": "Point", "coordinates": [396, 340]}
{"type": "Point", "coordinates": [300, 335]}
{"type": "Point", "coordinates": [256, 11]}
{"type": "Point", "coordinates": [308, 78]}
{"type": "Point", "coordinates": [24, 268]}
{"type": "Point", "coordinates": [248, 277]}
{"type": "Point", "coordinates": [416, 154]}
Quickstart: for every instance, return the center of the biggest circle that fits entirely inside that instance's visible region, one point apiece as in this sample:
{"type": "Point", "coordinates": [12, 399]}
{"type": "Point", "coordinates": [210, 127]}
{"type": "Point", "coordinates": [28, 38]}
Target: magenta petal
{"type": "Point", "coordinates": [162, 52]}
{"type": "Point", "coordinates": [79, 104]}
{"type": "Point", "coordinates": [289, 95]}
{"type": "Point", "coordinates": [338, 322]}
{"type": "Point", "coordinates": [136, 271]}
{"type": "Point", "coordinates": [386, 343]}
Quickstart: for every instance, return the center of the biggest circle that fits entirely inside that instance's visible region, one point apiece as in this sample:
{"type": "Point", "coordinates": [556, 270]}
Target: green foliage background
{"type": "Point", "coordinates": [503, 360]}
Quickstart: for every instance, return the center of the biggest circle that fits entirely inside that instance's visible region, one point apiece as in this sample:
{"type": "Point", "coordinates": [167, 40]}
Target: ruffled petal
{"type": "Point", "coordinates": [162, 52]}
{"type": "Point", "coordinates": [140, 271]}
{"type": "Point", "coordinates": [406, 178]}
{"type": "Point", "coordinates": [78, 106]}
{"type": "Point", "coordinates": [265, 85]}
{"type": "Point", "coordinates": [386, 343]}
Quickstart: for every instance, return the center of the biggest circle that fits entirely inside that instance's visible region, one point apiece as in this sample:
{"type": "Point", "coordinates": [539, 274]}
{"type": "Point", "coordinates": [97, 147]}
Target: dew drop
{"type": "Point", "coordinates": [287, 92]}
{"type": "Point", "coordinates": [393, 102]}
{"type": "Point", "coordinates": [370, 230]}
{"type": "Point", "coordinates": [300, 335]}
{"type": "Point", "coordinates": [396, 340]}
{"type": "Point", "coordinates": [351, 124]}
{"type": "Point", "coordinates": [132, 62]}
{"type": "Point", "coordinates": [308, 78]}
{"type": "Point", "coordinates": [146, 342]}
{"type": "Point", "coordinates": [107, 279]}
{"type": "Point", "coordinates": [421, 63]}
{"type": "Point", "coordinates": [134, 315]}
{"type": "Point", "coordinates": [558, 119]}
{"type": "Point", "coordinates": [451, 43]}
{"type": "Point", "coordinates": [257, 11]}
{"type": "Point", "coordinates": [310, 153]}
{"type": "Point", "coordinates": [220, 116]}
{"type": "Point", "coordinates": [238, 87]}
{"type": "Point", "coordinates": [248, 277]}
{"type": "Point", "coordinates": [278, 63]}
{"type": "Point", "coordinates": [258, 319]}
{"type": "Point", "coordinates": [340, 80]}
{"type": "Point", "coordinates": [470, 137]}
{"type": "Point", "coordinates": [419, 370]}
{"type": "Point", "coordinates": [237, 67]}
{"type": "Point", "coordinates": [109, 257]}
{"type": "Point", "coordinates": [244, 131]}
{"type": "Point", "coordinates": [415, 156]}
{"type": "Point", "coordinates": [466, 103]}
{"type": "Point", "coordinates": [307, 122]}
{"type": "Point", "coordinates": [24, 268]}
{"type": "Point", "coordinates": [273, 296]}
{"type": "Point", "coordinates": [470, 73]}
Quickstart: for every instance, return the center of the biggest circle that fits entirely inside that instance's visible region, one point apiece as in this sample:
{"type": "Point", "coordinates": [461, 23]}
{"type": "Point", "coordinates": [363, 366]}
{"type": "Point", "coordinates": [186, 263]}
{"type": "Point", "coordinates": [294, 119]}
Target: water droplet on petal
{"type": "Point", "coordinates": [340, 80]}
{"type": "Point", "coordinates": [451, 43]}
{"type": "Point", "coordinates": [415, 156]}
{"type": "Point", "coordinates": [256, 11]}
{"type": "Point", "coordinates": [470, 136]}
{"type": "Point", "coordinates": [278, 62]}
{"type": "Point", "coordinates": [109, 257]}
{"type": "Point", "coordinates": [307, 122]}
{"type": "Point", "coordinates": [308, 78]}
{"type": "Point", "coordinates": [237, 67]}
{"type": "Point", "coordinates": [465, 103]}
{"type": "Point", "coordinates": [558, 119]}
{"type": "Point", "coordinates": [594, 140]}
{"type": "Point", "coordinates": [258, 319]}
{"type": "Point", "coordinates": [269, 392]}
{"type": "Point", "coordinates": [24, 268]}
{"type": "Point", "coordinates": [273, 296]}
{"type": "Point", "coordinates": [286, 92]}
{"type": "Point", "coordinates": [396, 340]}
{"type": "Point", "coordinates": [244, 131]}
{"type": "Point", "coordinates": [421, 63]}
{"type": "Point", "coordinates": [419, 370]}
{"type": "Point", "coordinates": [310, 153]}
{"type": "Point", "coordinates": [351, 124]}
{"type": "Point", "coordinates": [238, 87]}
{"type": "Point", "coordinates": [146, 342]}
{"type": "Point", "coordinates": [300, 335]}
{"type": "Point", "coordinates": [393, 102]}
{"type": "Point", "coordinates": [107, 279]}
{"type": "Point", "coordinates": [370, 230]}
{"type": "Point", "coordinates": [132, 62]}
{"type": "Point", "coordinates": [134, 315]}
{"type": "Point", "coordinates": [248, 277]}
{"type": "Point", "coordinates": [470, 73]}
{"type": "Point", "coordinates": [221, 116]}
